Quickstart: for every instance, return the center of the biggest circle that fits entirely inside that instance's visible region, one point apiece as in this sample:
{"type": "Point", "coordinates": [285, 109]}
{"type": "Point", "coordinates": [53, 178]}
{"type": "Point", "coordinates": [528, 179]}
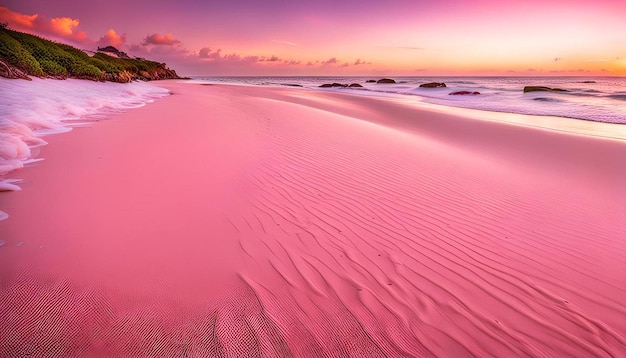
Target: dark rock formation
{"type": "Point", "coordinates": [386, 80]}
{"type": "Point", "coordinates": [327, 85]}
{"type": "Point", "coordinates": [542, 89]}
{"type": "Point", "coordinates": [433, 85]}
{"type": "Point", "coordinates": [370, 81]}
{"type": "Point", "coordinates": [457, 93]}
{"type": "Point", "coordinates": [159, 73]}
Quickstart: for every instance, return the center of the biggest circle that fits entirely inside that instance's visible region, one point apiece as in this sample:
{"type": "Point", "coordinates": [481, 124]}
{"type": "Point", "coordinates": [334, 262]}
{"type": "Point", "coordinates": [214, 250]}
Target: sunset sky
{"type": "Point", "coordinates": [348, 37]}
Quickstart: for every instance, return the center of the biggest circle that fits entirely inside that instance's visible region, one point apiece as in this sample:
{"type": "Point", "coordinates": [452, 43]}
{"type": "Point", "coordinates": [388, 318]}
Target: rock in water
{"type": "Point", "coordinates": [355, 85]}
{"type": "Point", "coordinates": [386, 80]}
{"type": "Point", "coordinates": [328, 85]}
{"type": "Point", "coordinates": [542, 88]}
{"type": "Point", "coordinates": [433, 85]}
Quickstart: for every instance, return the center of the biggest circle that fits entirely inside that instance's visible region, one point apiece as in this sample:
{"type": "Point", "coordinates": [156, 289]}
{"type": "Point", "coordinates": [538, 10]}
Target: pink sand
{"type": "Point", "coordinates": [242, 221]}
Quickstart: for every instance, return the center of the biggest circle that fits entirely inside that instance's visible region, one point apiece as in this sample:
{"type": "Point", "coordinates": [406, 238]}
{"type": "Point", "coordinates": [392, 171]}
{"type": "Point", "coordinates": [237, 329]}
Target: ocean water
{"type": "Point", "coordinates": [30, 110]}
{"type": "Point", "coordinates": [599, 99]}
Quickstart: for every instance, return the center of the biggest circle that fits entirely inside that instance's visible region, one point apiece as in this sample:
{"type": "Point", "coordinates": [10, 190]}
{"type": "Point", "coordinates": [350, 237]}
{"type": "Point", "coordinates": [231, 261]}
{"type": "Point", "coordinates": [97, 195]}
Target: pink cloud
{"type": "Point", "coordinates": [65, 28]}
{"type": "Point", "coordinates": [250, 59]}
{"type": "Point", "coordinates": [330, 61]}
{"type": "Point", "coordinates": [157, 53]}
{"type": "Point", "coordinates": [112, 38]}
{"type": "Point", "coordinates": [17, 20]}
{"type": "Point", "coordinates": [207, 53]}
{"type": "Point", "coordinates": [156, 39]}
{"type": "Point", "coordinates": [271, 59]}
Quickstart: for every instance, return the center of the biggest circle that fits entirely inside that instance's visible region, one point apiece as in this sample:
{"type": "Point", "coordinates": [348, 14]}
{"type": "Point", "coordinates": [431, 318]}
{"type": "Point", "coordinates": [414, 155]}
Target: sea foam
{"type": "Point", "coordinates": [30, 110]}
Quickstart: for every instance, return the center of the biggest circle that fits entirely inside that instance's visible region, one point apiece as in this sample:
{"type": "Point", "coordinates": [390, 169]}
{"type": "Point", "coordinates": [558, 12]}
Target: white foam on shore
{"type": "Point", "coordinates": [32, 109]}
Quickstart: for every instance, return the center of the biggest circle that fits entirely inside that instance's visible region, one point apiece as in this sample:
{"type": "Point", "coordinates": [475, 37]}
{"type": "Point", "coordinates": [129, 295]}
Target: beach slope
{"type": "Point", "coordinates": [244, 221]}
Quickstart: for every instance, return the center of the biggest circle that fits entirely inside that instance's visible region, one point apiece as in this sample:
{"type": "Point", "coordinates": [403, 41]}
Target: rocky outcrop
{"type": "Point", "coordinates": [433, 85]}
{"type": "Point", "coordinates": [542, 89]}
{"type": "Point", "coordinates": [463, 93]}
{"type": "Point", "coordinates": [161, 73]}
{"type": "Point", "coordinates": [122, 77]}
{"type": "Point", "coordinates": [328, 85]}
{"type": "Point", "coordinates": [370, 81]}
{"type": "Point", "coordinates": [340, 85]}
{"type": "Point", "coordinates": [386, 80]}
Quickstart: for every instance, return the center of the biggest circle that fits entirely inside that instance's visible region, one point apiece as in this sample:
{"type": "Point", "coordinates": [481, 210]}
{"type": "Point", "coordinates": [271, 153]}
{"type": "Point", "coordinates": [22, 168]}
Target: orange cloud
{"type": "Point", "coordinates": [68, 28]}
{"type": "Point", "coordinates": [64, 25]}
{"type": "Point", "coordinates": [59, 27]}
{"type": "Point", "coordinates": [156, 39]}
{"type": "Point", "coordinates": [17, 19]}
{"type": "Point", "coordinates": [111, 38]}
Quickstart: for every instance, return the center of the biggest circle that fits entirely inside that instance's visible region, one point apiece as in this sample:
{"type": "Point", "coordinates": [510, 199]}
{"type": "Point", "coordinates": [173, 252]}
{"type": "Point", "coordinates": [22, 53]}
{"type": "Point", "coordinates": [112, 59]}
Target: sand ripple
{"type": "Point", "coordinates": [365, 240]}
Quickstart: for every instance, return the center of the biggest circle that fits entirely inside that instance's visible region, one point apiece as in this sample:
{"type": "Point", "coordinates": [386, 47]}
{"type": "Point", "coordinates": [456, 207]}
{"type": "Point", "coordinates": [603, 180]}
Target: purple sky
{"type": "Point", "coordinates": [344, 37]}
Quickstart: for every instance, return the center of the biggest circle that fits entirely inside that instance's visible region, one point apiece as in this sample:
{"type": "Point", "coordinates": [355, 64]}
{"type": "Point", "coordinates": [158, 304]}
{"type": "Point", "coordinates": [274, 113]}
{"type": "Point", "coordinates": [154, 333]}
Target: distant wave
{"type": "Point", "coordinates": [462, 82]}
{"type": "Point", "coordinates": [546, 99]}
{"type": "Point", "coordinates": [621, 97]}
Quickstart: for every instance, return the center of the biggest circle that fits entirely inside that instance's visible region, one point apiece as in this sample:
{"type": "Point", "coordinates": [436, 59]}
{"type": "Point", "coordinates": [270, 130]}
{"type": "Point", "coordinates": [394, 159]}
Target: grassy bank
{"type": "Point", "coordinates": [23, 55]}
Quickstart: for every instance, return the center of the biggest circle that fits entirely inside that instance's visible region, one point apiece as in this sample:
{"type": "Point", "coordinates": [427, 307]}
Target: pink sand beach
{"type": "Point", "coordinates": [247, 221]}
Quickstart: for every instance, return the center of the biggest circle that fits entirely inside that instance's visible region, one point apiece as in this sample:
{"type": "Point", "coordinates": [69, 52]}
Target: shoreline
{"type": "Point", "coordinates": [562, 124]}
{"type": "Point", "coordinates": [329, 223]}
{"type": "Point", "coordinates": [598, 100]}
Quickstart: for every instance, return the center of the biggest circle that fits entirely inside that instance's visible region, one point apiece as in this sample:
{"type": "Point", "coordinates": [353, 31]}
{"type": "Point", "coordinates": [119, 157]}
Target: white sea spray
{"type": "Point", "coordinates": [30, 110]}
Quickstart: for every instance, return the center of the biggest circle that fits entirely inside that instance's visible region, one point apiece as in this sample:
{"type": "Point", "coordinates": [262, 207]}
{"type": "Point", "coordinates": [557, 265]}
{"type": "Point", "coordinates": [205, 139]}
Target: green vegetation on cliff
{"type": "Point", "coordinates": [23, 55]}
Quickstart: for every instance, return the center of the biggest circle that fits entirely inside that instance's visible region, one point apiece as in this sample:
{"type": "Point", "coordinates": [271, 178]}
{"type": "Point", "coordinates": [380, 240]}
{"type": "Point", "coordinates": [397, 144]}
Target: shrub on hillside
{"type": "Point", "coordinates": [13, 52]}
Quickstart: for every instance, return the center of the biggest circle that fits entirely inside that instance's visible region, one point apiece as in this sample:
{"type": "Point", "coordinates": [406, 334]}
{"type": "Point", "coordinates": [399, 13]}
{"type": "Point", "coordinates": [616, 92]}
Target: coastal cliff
{"type": "Point", "coordinates": [23, 55]}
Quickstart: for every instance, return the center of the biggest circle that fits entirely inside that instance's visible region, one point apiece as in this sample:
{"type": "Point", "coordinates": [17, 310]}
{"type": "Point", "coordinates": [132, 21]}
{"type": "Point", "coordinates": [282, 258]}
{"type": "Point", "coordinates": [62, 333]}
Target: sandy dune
{"type": "Point", "coordinates": [243, 221]}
